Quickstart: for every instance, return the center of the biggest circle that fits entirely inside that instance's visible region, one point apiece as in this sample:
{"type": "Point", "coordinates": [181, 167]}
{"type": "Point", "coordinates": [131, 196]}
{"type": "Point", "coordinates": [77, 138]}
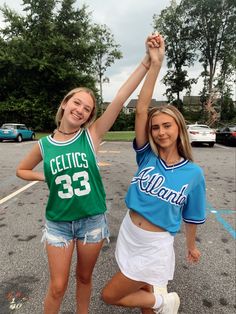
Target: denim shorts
{"type": "Point", "coordinates": [91, 229]}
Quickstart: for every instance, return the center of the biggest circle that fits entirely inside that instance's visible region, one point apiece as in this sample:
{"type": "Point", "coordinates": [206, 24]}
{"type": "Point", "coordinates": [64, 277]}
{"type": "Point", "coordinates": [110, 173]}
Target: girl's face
{"type": "Point", "coordinates": [78, 108]}
{"type": "Point", "coordinates": [164, 131]}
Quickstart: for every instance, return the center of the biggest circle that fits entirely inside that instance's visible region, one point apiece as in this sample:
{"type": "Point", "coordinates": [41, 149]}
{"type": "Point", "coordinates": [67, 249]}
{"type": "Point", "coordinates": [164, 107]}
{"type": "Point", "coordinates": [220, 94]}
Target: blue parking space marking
{"type": "Point", "coordinates": [218, 214]}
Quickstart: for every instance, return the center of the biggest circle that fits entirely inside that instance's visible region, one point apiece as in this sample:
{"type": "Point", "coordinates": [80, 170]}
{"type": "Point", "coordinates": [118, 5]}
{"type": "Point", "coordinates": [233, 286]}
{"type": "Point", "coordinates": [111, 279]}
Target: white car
{"type": "Point", "coordinates": [201, 133]}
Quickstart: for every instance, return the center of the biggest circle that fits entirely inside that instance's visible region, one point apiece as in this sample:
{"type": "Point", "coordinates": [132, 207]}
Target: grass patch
{"type": "Point", "coordinates": [122, 136]}
{"type": "Point", "coordinates": [38, 135]}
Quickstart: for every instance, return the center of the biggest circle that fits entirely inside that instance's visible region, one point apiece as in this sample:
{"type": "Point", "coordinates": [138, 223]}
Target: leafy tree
{"type": "Point", "coordinates": [211, 24]}
{"type": "Point", "coordinates": [226, 104]}
{"type": "Point", "coordinates": [124, 122]}
{"type": "Point", "coordinates": [179, 49]}
{"type": "Point", "coordinates": [106, 51]}
{"type": "Point", "coordinates": [45, 53]}
{"type": "Point", "coordinates": [43, 60]}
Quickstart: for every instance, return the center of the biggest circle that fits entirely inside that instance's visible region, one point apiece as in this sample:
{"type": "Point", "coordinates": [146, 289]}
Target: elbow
{"type": "Point", "coordinates": [18, 173]}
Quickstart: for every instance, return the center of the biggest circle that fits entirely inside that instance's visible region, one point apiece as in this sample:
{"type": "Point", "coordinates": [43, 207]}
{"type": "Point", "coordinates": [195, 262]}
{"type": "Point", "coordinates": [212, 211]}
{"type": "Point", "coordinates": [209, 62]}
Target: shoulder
{"type": "Point", "coordinates": [143, 153]}
{"type": "Point", "coordinates": [43, 139]}
{"type": "Point", "coordinates": [195, 168]}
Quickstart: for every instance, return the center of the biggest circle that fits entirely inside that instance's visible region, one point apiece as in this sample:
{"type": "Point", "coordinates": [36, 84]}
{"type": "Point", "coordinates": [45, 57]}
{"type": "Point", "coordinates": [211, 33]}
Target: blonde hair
{"type": "Point", "coordinates": [183, 143]}
{"type": "Point", "coordinates": [60, 111]}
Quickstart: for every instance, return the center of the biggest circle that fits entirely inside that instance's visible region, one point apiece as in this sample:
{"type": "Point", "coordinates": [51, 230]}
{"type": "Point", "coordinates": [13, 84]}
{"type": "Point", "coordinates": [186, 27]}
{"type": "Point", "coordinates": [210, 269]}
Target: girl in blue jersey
{"type": "Point", "coordinates": [75, 210]}
{"type": "Point", "coordinates": [166, 189]}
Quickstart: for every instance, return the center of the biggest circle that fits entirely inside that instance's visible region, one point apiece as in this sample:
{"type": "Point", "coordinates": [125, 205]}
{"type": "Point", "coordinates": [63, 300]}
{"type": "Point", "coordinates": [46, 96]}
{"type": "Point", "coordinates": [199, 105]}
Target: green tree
{"type": "Point", "coordinates": [226, 104]}
{"type": "Point", "coordinates": [212, 30]}
{"type": "Point", "coordinates": [43, 60]}
{"type": "Point", "coordinates": [179, 49]}
{"type": "Point", "coordinates": [45, 53]}
{"type": "Point", "coordinates": [106, 52]}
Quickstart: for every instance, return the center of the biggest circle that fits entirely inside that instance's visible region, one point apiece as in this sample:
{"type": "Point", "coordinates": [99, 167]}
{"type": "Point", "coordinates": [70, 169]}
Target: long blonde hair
{"type": "Point", "coordinates": [183, 143]}
{"type": "Point", "coordinates": [60, 111]}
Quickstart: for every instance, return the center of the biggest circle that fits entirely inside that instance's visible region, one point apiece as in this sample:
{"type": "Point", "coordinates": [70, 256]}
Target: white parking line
{"type": "Point", "coordinates": [7, 198]}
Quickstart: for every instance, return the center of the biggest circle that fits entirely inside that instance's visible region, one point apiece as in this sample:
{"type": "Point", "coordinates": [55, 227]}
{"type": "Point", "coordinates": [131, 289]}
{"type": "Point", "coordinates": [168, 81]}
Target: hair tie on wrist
{"type": "Point", "coordinates": [146, 67]}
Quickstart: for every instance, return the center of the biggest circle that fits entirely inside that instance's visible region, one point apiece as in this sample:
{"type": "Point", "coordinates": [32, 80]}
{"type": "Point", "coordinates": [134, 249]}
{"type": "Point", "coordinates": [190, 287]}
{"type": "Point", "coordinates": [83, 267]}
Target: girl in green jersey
{"type": "Point", "coordinates": [75, 210]}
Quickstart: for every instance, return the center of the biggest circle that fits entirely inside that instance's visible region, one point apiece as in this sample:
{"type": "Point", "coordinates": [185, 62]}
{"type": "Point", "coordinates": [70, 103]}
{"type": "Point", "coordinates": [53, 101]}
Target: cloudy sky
{"type": "Point", "coordinates": [130, 21]}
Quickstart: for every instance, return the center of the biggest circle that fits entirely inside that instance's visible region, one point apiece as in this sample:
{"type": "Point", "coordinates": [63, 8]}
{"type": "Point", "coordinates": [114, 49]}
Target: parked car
{"type": "Point", "coordinates": [201, 133]}
{"type": "Point", "coordinates": [226, 135]}
{"type": "Point", "coordinates": [16, 131]}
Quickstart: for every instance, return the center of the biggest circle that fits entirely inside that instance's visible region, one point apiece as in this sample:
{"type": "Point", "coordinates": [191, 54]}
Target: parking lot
{"type": "Point", "coordinates": [208, 287]}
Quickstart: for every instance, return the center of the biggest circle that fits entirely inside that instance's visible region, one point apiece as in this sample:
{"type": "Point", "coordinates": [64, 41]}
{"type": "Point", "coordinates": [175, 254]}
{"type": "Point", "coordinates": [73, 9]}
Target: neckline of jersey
{"type": "Point", "coordinates": [179, 164]}
{"type": "Point", "coordinates": [71, 140]}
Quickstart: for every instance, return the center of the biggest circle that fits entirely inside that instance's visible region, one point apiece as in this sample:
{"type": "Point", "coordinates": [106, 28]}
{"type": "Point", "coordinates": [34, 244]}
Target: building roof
{"type": "Point", "coordinates": [154, 103]}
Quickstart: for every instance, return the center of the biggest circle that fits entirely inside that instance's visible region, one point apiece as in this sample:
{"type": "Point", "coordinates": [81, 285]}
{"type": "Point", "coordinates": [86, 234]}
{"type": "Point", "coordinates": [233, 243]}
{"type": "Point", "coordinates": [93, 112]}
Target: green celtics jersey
{"type": "Point", "coordinates": [72, 175]}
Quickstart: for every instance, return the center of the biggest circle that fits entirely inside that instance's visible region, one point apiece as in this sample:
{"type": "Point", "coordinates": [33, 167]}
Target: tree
{"type": "Point", "coordinates": [179, 50]}
{"type": "Point", "coordinates": [211, 24]}
{"type": "Point", "coordinates": [41, 56]}
{"type": "Point", "coordinates": [45, 53]}
{"type": "Point", "coordinates": [227, 107]}
{"type": "Point", "coordinates": [106, 51]}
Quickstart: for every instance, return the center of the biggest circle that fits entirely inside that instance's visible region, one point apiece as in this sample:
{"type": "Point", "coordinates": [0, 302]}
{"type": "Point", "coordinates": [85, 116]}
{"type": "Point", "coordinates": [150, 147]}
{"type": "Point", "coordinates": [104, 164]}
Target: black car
{"type": "Point", "coordinates": [226, 135]}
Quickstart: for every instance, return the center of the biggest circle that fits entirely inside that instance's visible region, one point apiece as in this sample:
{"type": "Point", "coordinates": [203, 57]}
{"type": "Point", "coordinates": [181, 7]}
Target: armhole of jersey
{"type": "Point", "coordinates": [88, 135]}
{"type": "Point", "coordinates": [90, 141]}
{"type": "Point", "coordinates": [140, 149]}
{"type": "Point", "coordinates": [41, 148]}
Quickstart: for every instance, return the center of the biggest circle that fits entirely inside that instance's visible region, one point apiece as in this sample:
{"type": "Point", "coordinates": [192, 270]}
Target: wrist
{"type": "Point", "coordinates": [156, 62]}
{"type": "Point", "coordinates": [146, 66]}
{"type": "Point", "coordinates": [191, 246]}
{"type": "Point", "coordinates": [146, 62]}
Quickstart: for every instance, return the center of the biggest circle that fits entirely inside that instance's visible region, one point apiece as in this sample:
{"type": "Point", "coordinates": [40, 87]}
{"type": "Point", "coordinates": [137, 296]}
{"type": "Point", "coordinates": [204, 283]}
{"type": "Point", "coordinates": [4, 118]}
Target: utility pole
{"type": "Point", "coordinates": [101, 81]}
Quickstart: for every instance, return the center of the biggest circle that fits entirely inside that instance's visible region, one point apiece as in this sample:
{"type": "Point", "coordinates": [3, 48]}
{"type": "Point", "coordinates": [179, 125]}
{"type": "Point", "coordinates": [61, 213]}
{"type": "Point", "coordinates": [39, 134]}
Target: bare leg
{"type": "Point", "coordinates": [147, 311]}
{"type": "Point", "coordinates": [59, 260]}
{"type": "Point", "coordinates": [123, 291]}
{"type": "Point", "coordinates": [87, 255]}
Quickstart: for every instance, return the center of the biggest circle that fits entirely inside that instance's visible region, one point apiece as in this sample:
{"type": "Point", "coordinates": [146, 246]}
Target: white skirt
{"type": "Point", "coordinates": [145, 256]}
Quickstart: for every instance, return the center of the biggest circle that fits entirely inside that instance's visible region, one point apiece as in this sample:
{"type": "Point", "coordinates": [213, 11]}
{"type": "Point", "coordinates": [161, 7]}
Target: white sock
{"type": "Point", "coordinates": [158, 301]}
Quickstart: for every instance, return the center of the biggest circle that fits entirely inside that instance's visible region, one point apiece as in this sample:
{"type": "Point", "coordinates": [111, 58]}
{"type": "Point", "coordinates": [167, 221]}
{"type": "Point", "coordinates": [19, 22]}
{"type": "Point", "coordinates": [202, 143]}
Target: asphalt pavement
{"type": "Point", "coordinates": [208, 287]}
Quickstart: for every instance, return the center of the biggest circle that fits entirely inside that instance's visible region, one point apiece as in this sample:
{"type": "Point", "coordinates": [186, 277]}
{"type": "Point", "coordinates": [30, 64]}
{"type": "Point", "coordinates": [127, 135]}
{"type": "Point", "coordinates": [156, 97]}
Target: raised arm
{"type": "Point", "coordinates": [105, 122]}
{"type": "Point", "coordinates": [156, 51]}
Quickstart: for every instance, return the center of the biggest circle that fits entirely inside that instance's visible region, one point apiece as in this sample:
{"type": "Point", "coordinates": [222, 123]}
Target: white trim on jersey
{"type": "Point", "coordinates": [90, 141]}
{"type": "Point", "coordinates": [64, 143]}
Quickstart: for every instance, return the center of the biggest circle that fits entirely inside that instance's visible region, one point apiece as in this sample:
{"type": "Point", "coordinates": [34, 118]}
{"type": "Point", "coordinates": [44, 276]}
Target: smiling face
{"type": "Point", "coordinates": [78, 109]}
{"type": "Point", "coordinates": [164, 131]}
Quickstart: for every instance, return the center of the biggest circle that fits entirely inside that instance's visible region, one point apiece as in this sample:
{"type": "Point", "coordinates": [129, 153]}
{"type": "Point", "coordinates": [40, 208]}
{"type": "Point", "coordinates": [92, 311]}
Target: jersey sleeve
{"type": "Point", "coordinates": [194, 210]}
{"type": "Point", "coordinates": [142, 153]}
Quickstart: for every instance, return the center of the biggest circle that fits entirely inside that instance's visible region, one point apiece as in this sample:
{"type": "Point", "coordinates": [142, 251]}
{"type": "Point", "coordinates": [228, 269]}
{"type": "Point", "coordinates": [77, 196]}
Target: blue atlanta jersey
{"type": "Point", "coordinates": [164, 195]}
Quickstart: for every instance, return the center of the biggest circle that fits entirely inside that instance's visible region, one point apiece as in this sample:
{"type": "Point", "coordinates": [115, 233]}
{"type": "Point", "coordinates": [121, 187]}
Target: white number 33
{"type": "Point", "coordinates": [66, 181]}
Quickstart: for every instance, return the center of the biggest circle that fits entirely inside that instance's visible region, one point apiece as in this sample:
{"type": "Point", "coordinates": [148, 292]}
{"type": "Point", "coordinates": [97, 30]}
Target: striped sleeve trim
{"type": "Point", "coordinates": [192, 221]}
{"type": "Point", "coordinates": [140, 149]}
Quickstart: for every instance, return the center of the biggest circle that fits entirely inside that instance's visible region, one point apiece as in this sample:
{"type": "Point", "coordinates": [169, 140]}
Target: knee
{"type": "Point", "coordinates": [107, 297]}
{"type": "Point", "coordinates": [85, 280]}
{"type": "Point", "coordinates": [57, 289]}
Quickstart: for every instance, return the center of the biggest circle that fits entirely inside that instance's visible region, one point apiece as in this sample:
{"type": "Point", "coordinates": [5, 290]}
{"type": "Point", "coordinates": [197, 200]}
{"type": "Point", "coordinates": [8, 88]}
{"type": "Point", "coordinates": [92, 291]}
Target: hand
{"type": "Point", "coordinates": [155, 47]}
{"type": "Point", "coordinates": [193, 255]}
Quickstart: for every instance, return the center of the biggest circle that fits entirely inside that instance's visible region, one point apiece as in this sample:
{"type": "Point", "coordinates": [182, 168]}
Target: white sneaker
{"type": "Point", "coordinates": [160, 290]}
{"type": "Point", "coordinates": [170, 304]}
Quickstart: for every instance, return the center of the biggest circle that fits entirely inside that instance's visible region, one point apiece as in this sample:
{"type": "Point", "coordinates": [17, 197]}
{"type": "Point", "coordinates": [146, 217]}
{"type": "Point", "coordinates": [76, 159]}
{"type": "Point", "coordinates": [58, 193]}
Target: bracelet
{"type": "Point", "coordinates": [146, 67]}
